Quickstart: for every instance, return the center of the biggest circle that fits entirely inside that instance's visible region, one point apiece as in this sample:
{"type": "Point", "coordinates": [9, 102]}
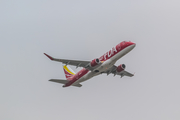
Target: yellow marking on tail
{"type": "Point", "coordinates": [66, 68]}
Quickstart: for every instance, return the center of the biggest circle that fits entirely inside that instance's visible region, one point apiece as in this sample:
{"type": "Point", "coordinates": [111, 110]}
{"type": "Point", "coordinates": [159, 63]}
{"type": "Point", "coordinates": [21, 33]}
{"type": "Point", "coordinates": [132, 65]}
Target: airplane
{"type": "Point", "coordinates": [104, 64]}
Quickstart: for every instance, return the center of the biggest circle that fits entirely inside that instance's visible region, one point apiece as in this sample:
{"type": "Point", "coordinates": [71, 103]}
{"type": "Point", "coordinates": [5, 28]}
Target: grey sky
{"type": "Point", "coordinates": [84, 30]}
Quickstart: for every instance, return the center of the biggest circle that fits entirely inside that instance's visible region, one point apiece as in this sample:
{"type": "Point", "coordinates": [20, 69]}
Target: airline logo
{"type": "Point", "coordinates": [109, 54]}
{"type": "Point", "coordinates": [68, 72]}
{"type": "Point", "coordinates": [115, 50]}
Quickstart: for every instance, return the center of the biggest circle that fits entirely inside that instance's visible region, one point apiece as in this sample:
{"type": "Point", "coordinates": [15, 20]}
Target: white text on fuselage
{"type": "Point", "coordinates": [108, 54]}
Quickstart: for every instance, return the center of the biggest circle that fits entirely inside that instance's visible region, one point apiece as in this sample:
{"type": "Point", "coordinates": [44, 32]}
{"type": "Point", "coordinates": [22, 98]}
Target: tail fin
{"type": "Point", "coordinates": [68, 72]}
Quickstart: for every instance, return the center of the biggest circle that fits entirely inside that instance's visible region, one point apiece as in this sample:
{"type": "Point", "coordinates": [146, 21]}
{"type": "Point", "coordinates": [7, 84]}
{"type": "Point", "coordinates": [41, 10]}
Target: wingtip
{"type": "Point", "coordinates": [134, 73]}
{"type": "Point", "coordinates": [51, 58]}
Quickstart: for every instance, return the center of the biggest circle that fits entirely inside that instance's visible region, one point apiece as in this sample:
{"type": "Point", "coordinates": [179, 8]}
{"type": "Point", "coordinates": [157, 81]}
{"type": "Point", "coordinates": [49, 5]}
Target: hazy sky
{"type": "Point", "coordinates": [84, 30]}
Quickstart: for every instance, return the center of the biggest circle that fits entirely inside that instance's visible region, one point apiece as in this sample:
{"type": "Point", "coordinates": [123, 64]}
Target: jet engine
{"type": "Point", "coordinates": [121, 67]}
{"type": "Point", "coordinates": [95, 62]}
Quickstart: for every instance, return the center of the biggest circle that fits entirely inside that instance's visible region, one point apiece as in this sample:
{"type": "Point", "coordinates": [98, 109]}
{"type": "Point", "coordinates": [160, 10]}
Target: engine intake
{"type": "Point", "coordinates": [121, 67]}
{"type": "Point", "coordinates": [95, 62]}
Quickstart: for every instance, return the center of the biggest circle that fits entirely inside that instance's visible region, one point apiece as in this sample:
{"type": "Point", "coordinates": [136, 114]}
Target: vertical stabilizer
{"type": "Point", "coordinates": [69, 73]}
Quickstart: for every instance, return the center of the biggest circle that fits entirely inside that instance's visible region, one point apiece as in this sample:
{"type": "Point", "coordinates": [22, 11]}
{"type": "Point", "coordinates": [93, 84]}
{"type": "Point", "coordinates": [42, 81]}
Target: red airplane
{"type": "Point", "coordinates": [104, 64]}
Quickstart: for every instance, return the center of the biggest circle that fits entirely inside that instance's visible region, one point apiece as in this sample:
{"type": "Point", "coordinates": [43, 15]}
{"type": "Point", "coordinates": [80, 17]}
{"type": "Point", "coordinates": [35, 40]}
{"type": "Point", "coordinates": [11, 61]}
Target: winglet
{"type": "Point", "coordinates": [49, 56]}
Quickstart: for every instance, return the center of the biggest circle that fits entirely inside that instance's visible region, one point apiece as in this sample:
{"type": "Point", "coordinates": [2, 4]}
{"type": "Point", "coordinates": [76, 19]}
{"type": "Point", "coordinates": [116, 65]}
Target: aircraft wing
{"type": "Point", "coordinates": [76, 63]}
{"type": "Point", "coordinates": [112, 70]}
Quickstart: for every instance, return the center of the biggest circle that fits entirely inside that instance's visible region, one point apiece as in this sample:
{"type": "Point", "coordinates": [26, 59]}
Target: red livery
{"type": "Point", "coordinates": [104, 64]}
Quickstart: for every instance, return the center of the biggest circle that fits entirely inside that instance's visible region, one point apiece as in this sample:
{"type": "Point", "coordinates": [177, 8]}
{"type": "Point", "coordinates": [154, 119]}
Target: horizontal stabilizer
{"type": "Point", "coordinates": [59, 81]}
{"type": "Point", "coordinates": [77, 85]}
{"type": "Point", "coordinates": [63, 82]}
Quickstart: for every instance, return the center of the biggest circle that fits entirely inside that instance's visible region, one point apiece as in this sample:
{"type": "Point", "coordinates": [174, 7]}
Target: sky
{"type": "Point", "coordinates": [84, 30]}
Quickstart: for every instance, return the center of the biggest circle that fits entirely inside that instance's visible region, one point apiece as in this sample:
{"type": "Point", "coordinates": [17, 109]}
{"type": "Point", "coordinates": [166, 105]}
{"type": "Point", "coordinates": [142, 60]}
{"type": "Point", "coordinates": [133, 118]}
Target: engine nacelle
{"type": "Point", "coordinates": [121, 67]}
{"type": "Point", "coordinates": [95, 62]}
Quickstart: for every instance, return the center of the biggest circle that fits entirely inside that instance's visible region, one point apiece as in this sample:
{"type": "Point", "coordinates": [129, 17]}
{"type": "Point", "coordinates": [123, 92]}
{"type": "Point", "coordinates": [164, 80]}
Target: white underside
{"type": "Point", "coordinates": [106, 65]}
